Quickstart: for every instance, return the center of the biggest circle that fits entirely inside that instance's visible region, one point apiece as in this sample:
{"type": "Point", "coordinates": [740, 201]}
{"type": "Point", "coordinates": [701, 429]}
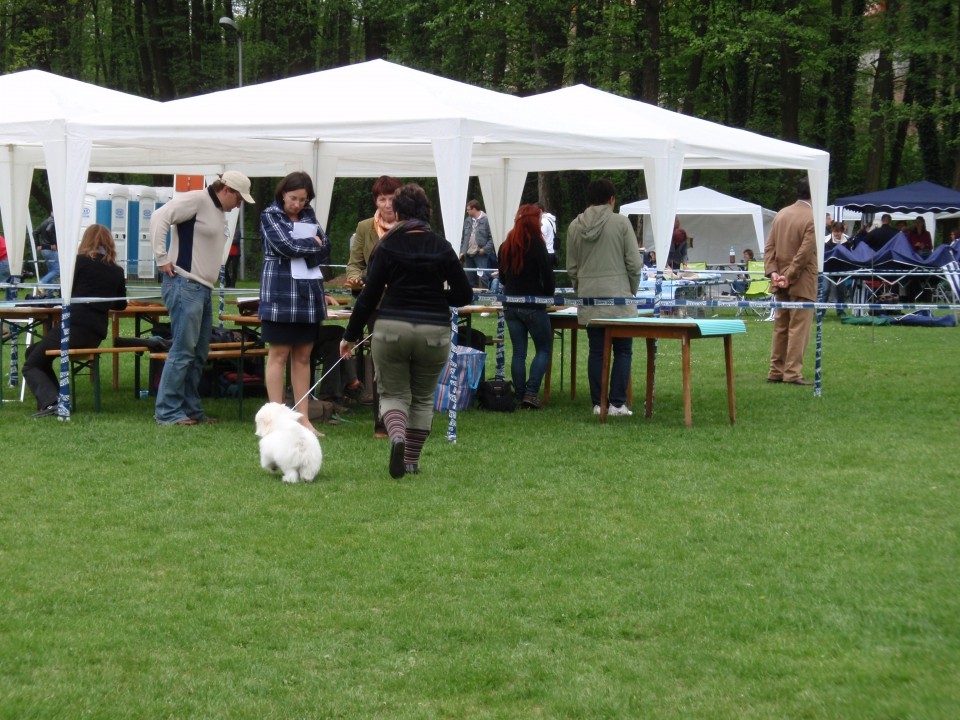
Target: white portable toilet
{"type": "Point", "coordinates": [164, 195]}
{"type": "Point", "coordinates": [143, 201]}
{"type": "Point", "coordinates": [119, 197]}
{"type": "Point", "coordinates": [89, 215]}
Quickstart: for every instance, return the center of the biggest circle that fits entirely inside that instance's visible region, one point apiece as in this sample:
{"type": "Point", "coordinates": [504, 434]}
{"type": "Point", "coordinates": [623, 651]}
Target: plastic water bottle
{"type": "Point", "coordinates": [733, 256]}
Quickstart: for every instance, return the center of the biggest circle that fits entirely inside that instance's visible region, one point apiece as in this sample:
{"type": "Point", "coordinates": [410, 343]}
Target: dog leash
{"type": "Point", "coordinates": [329, 370]}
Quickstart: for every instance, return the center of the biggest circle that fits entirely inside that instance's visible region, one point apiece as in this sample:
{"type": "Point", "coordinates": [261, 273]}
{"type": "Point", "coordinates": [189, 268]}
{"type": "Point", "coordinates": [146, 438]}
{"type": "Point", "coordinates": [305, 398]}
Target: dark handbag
{"type": "Point", "coordinates": [497, 395]}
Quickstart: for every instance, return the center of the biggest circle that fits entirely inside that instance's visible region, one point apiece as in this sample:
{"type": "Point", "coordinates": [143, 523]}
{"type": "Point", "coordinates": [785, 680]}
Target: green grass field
{"type": "Point", "coordinates": [800, 564]}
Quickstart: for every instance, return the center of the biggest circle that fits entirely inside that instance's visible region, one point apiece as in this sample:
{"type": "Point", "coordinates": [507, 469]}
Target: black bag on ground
{"type": "Point", "coordinates": [497, 395]}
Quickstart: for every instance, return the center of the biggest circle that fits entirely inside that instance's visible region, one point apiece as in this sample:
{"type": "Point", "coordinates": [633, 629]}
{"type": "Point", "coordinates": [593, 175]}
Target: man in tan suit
{"type": "Point", "coordinates": [790, 261]}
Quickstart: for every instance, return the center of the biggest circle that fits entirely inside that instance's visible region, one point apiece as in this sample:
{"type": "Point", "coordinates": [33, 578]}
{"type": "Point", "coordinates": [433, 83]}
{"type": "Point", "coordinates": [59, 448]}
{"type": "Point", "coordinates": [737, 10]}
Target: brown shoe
{"type": "Point", "coordinates": [774, 379]}
{"type": "Point", "coordinates": [531, 401]}
{"type": "Point", "coordinates": [799, 381]}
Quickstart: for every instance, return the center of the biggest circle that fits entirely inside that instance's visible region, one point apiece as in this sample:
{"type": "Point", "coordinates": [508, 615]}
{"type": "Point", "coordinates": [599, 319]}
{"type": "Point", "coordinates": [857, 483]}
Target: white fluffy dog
{"type": "Point", "coordinates": [286, 445]}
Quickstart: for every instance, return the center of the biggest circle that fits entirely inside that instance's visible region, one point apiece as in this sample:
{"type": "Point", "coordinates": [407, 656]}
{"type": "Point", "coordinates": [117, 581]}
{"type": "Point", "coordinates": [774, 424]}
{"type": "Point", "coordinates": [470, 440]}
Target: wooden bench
{"type": "Point", "coordinates": [89, 359]}
{"type": "Point", "coordinates": [236, 351]}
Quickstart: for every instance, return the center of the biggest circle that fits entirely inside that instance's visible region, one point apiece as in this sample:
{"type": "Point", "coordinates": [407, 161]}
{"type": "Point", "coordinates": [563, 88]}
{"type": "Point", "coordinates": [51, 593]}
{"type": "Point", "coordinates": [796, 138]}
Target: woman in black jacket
{"type": "Point", "coordinates": [415, 276]}
{"type": "Point", "coordinates": [526, 269]}
{"type": "Point", "coordinates": [96, 275]}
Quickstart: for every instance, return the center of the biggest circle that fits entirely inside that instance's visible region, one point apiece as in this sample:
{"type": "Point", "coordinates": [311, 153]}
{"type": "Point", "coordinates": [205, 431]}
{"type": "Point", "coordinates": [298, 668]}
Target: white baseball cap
{"type": "Point", "coordinates": [239, 182]}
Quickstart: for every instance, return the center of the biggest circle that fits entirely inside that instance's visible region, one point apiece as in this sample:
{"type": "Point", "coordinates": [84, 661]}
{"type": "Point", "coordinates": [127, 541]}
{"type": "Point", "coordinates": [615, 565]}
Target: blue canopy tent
{"type": "Point", "coordinates": [918, 197]}
{"type": "Point", "coordinates": [898, 259]}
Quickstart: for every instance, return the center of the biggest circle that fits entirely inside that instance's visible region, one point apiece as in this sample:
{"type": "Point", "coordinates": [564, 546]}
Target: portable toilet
{"type": "Point", "coordinates": [119, 197]}
{"type": "Point", "coordinates": [143, 201]}
{"type": "Point", "coordinates": [90, 198]}
{"type": "Point", "coordinates": [164, 195]}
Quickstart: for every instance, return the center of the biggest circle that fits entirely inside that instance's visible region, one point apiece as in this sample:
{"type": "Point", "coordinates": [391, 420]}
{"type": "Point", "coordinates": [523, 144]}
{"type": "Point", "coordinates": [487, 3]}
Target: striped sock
{"type": "Point", "coordinates": [396, 423]}
{"type": "Point", "coordinates": [413, 444]}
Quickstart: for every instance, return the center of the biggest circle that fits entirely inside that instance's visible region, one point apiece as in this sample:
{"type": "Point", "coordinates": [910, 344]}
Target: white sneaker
{"type": "Point", "coordinates": [622, 410]}
{"type": "Point", "coordinates": [596, 409]}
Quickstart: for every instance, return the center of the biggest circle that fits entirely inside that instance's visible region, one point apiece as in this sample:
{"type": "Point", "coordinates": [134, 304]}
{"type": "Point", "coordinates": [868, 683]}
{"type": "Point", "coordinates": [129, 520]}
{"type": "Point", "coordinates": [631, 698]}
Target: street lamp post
{"type": "Point", "coordinates": [229, 22]}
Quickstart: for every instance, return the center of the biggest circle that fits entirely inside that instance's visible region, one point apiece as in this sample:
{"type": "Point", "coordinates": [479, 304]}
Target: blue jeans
{"type": "Point", "coordinates": [619, 373]}
{"type": "Point", "coordinates": [477, 262]}
{"type": "Point", "coordinates": [191, 320]}
{"type": "Point", "coordinates": [52, 259]}
{"type": "Point", "coordinates": [521, 322]}
{"type": "Point", "coordinates": [9, 293]}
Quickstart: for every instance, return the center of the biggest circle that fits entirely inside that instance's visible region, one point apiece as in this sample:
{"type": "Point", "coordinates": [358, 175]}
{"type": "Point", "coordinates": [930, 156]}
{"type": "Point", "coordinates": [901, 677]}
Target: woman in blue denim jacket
{"type": "Point", "coordinates": [291, 286]}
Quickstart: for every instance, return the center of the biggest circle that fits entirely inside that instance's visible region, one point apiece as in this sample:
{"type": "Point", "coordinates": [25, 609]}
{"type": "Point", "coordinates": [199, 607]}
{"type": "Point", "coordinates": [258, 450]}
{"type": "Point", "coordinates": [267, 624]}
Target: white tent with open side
{"type": "Point", "coordinates": [331, 127]}
{"type": "Point", "coordinates": [37, 106]}
{"type": "Point", "coordinates": [715, 221]}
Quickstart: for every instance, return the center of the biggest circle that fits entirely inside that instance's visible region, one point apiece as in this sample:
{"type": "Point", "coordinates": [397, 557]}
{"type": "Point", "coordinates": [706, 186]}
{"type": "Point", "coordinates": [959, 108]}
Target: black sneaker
{"type": "Point", "coordinates": [45, 412]}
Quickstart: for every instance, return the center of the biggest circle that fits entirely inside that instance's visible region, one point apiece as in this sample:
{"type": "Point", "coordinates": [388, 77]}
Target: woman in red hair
{"type": "Point", "coordinates": [525, 269]}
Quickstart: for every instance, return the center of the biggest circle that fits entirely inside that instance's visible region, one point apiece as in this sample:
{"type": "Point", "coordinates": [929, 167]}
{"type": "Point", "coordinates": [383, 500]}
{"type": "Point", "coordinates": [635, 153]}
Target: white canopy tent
{"type": "Point", "coordinates": [37, 106]}
{"type": "Point", "coordinates": [715, 221]}
{"type": "Point", "coordinates": [332, 125]}
{"type": "Point", "coordinates": [439, 127]}
{"type": "Point", "coordinates": [432, 127]}
{"type": "Point", "coordinates": [700, 144]}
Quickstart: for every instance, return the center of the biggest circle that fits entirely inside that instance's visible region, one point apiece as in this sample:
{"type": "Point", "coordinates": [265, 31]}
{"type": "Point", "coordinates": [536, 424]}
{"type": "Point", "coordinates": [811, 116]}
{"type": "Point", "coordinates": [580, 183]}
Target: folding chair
{"type": "Point", "coordinates": [757, 289]}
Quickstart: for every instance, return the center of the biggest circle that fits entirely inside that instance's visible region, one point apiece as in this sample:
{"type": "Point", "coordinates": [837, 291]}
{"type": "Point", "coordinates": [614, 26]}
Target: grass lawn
{"type": "Point", "coordinates": [804, 563]}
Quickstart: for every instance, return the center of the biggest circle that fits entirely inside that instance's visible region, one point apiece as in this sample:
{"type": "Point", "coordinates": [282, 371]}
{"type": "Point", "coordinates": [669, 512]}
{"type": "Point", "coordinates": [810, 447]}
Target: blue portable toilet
{"type": "Point", "coordinates": [143, 201]}
{"type": "Point", "coordinates": [119, 199]}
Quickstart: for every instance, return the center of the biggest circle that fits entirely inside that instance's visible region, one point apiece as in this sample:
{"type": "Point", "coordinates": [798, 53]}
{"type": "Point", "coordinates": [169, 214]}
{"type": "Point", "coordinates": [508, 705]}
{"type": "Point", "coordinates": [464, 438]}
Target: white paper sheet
{"type": "Point", "coordinates": [304, 230]}
{"type": "Point", "coordinates": [300, 271]}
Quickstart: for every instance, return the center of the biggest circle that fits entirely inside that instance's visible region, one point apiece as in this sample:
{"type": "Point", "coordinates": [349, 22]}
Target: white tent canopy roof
{"type": "Point", "coordinates": [701, 145]}
{"type": "Point", "coordinates": [37, 106]}
{"type": "Point", "coordinates": [331, 124]}
{"type": "Point", "coordinates": [715, 221]}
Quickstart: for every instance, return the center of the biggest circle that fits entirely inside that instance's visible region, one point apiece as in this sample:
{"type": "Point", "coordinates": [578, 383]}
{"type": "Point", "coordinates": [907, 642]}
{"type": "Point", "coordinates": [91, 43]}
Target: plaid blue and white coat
{"type": "Point", "coordinates": [282, 298]}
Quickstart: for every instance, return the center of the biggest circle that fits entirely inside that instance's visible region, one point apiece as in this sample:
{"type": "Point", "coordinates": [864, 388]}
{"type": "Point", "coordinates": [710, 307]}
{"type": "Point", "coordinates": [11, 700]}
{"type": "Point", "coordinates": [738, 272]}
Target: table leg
{"type": "Point", "coordinates": [687, 405]}
{"type": "Point", "coordinates": [116, 358]}
{"type": "Point", "coordinates": [546, 376]}
{"type": "Point", "coordinates": [605, 373]}
{"type": "Point", "coordinates": [728, 357]}
{"type": "Point", "coordinates": [651, 374]}
{"type": "Point", "coordinates": [573, 364]}
{"type": "Point", "coordinates": [95, 376]}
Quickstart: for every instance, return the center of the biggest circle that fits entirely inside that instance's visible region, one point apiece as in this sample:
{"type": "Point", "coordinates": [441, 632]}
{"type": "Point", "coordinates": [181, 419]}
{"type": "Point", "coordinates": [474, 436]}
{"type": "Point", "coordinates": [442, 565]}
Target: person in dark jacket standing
{"type": "Point", "coordinates": [526, 269]}
{"type": "Point", "coordinates": [96, 275]}
{"type": "Point", "coordinates": [407, 275]}
{"type": "Point", "coordinates": [477, 250]}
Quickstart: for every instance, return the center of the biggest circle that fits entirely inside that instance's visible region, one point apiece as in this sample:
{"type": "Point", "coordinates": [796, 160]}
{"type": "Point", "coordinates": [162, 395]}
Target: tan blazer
{"type": "Point", "coordinates": [791, 250]}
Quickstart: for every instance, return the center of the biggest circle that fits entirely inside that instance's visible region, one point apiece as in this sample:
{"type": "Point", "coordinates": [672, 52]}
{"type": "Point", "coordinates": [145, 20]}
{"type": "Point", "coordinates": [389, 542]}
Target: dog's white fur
{"type": "Point", "coordinates": [286, 445]}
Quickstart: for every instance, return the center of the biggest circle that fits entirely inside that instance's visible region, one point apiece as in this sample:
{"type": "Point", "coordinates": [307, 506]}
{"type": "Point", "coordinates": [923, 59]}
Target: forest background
{"type": "Point", "coordinates": [873, 83]}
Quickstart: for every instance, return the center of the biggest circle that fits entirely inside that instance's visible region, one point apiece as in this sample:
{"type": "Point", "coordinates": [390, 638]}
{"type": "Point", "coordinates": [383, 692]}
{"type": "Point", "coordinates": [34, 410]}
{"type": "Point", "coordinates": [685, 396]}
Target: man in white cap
{"type": "Point", "coordinates": [190, 268]}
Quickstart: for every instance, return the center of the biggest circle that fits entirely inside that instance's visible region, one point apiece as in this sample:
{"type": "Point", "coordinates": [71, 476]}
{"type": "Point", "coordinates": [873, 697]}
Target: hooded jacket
{"type": "Point", "coordinates": [603, 261]}
{"type": "Point", "coordinates": [408, 270]}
